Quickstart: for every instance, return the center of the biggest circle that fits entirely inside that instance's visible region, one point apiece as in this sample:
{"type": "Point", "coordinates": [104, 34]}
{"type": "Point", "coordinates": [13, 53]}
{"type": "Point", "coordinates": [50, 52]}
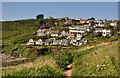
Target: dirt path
{"type": "Point", "coordinates": [96, 45]}
{"type": "Point", "coordinates": [68, 73]}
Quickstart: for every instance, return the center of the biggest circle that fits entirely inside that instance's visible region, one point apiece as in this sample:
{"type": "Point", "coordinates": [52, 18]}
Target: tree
{"type": "Point", "coordinates": [92, 18]}
{"type": "Point", "coordinates": [40, 16]}
{"type": "Point", "coordinates": [40, 19]}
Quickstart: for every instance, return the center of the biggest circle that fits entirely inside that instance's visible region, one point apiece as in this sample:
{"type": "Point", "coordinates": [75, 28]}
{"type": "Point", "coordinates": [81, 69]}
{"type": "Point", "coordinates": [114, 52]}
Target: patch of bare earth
{"type": "Point", "coordinates": [68, 73]}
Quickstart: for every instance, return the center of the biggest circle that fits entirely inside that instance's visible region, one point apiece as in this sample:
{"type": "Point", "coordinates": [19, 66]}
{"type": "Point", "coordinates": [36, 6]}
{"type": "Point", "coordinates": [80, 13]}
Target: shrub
{"type": "Point", "coordinates": [39, 71]}
{"type": "Point", "coordinates": [64, 59]}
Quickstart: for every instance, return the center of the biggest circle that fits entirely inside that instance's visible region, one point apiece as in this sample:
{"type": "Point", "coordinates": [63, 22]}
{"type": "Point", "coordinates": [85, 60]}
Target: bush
{"type": "Point", "coordinates": [64, 59]}
{"type": "Point", "coordinates": [39, 71]}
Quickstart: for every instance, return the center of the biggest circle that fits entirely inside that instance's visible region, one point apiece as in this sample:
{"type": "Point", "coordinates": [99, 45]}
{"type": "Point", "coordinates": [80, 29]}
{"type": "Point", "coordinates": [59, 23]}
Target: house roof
{"type": "Point", "coordinates": [83, 20]}
{"type": "Point", "coordinates": [48, 40]}
{"type": "Point", "coordinates": [40, 30]}
{"type": "Point", "coordinates": [31, 40]}
{"type": "Point", "coordinates": [98, 28]}
{"type": "Point", "coordinates": [54, 31]}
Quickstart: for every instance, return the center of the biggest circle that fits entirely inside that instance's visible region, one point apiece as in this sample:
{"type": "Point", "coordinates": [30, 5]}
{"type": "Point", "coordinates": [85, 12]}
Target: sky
{"type": "Point", "coordinates": [29, 10]}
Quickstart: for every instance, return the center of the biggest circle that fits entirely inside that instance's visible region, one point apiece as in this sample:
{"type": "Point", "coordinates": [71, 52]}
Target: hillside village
{"type": "Point", "coordinates": [65, 44]}
{"type": "Point", "coordinates": [60, 39]}
{"type": "Point", "coordinates": [72, 32]}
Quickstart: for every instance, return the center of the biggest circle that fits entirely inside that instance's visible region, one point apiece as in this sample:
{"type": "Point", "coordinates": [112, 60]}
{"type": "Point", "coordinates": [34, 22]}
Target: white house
{"type": "Point", "coordinates": [100, 25]}
{"type": "Point", "coordinates": [40, 32]}
{"type": "Point", "coordinates": [97, 31]}
{"type": "Point", "coordinates": [64, 42]}
{"type": "Point", "coordinates": [77, 31]}
{"type": "Point", "coordinates": [71, 28]}
{"type": "Point", "coordinates": [84, 41]}
{"type": "Point", "coordinates": [73, 41]}
{"type": "Point", "coordinates": [48, 42]}
{"type": "Point", "coordinates": [55, 42]}
{"type": "Point", "coordinates": [54, 33]}
{"type": "Point", "coordinates": [106, 32]}
{"type": "Point", "coordinates": [31, 42]}
{"type": "Point", "coordinates": [63, 33]}
{"type": "Point", "coordinates": [78, 37]}
{"type": "Point", "coordinates": [113, 24]}
{"type": "Point", "coordinates": [39, 42]}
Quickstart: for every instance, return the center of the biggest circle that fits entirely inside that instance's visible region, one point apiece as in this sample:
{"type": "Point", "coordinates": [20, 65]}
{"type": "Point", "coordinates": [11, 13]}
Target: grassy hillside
{"type": "Point", "coordinates": [15, 33]}
{"type": "Point", "coordinates": [35, 68]}
{"type": "Point", "coordinates": [87, 60]}
{"type": "Point", "coordinates": [98, 61]}
{"type": "Point", "coordinates": [18, 31]}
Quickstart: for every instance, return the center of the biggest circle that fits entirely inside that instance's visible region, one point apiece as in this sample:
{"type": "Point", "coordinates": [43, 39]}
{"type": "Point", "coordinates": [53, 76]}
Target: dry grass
{"type": "Point", "coordinates": [39, 62]}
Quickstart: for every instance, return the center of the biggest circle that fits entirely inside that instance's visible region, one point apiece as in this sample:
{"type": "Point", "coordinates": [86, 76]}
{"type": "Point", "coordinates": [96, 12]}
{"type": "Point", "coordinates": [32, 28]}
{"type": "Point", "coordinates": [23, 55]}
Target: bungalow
{"type": "Point", "coordinates": [80, 29]}
{"type": "Point", "coordinates": [54, 33]}
{"type": "Point", "coordinates": [63, 33]}
{"type": "Point", "coordinates": [99, 25]}
{"type": "Point", "coordinates": [80, 43]}
{"type": "Point", "coordinates": [64, 42]}
{"type": "Point", "coordinates": [31, 42]}
{"type": "Point", "coordinates": [97, 30]}
{"type": "Point", "coordinates": [71, 28]}
{"type": "Point", "coordinates": [39, 42]}
{"type": "Point", "coordinates": [40, 32]}
{"type": "Point", "coordinates": [70, 35]}
{"type": "Point", "coordinates": [73, 41]}
{"type": "Point", "coordinates": [77, 31]}
{"type": "Point", "coordinates": [113, 24]}
{"type": "Point", "coordinates": [76, 42]}
{"type": "Point", "coordinates": [48, 42]}
{"type": "Point", "coordinates": [78, 37]}
{"type": "Point", "coordinates": [55, 42]}
{"type": "Point", "coordinates": [84, 41]}
{"type": "Point", "coordinates": [104, 32]}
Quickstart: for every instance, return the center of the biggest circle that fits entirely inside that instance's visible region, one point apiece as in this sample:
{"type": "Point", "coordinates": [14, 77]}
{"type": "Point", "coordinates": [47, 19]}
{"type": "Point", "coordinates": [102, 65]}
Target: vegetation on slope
{"type": "Point", "coordinates": [36, 66]}
{"type": "Point", "coordinates": [45, 70]}
{"type": "Point", "coordinates": [98, 61]}
{"type": "Point", "coordinates": [15, 33]}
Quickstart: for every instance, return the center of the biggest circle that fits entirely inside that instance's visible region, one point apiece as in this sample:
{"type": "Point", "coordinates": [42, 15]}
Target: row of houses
{"type": "Point", "coordinates": [92, 21]}
{"type": "Point", "coordinates": [97, 23]}
{"type": "Point", "coordinates": [103, 32]}
{"type": "Point", "coordinates": [79, 29]}
{"type": "Point", "coordinates": [72, 31]}
{"type": "Point", "coordinates": [74, 34]}
{"type": "Point", "coordinates": [69, 38]}
{"type": "Point", "coordinates": [53, 41]}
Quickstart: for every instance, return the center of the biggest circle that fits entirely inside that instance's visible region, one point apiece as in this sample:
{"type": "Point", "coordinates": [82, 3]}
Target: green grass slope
{"type": "Point", "coordinates": [98, 61]}
{"type": "Point", "coordinates": [15, 33]}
